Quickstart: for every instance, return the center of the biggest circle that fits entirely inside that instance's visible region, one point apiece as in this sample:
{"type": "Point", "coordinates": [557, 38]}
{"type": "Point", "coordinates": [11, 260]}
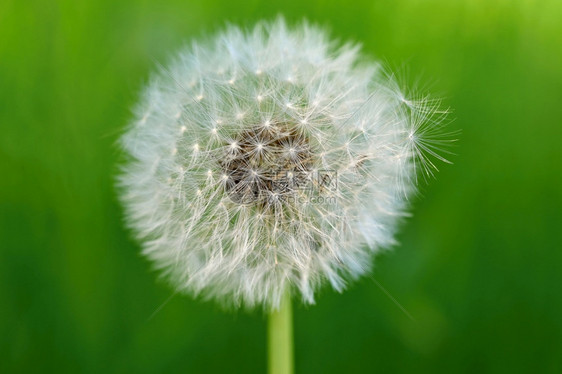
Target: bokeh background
{"type": "Point", "coordinates": [479, 266]}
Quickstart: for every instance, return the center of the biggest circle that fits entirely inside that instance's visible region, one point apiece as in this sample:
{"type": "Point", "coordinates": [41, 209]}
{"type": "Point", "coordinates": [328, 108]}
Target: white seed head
{"type": "Point", "coordinates": [289, 167]}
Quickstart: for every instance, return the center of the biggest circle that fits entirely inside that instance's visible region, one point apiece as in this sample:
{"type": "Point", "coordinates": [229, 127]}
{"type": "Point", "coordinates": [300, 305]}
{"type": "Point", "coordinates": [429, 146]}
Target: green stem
{"type": "Point", "coordinates": [280, 338]}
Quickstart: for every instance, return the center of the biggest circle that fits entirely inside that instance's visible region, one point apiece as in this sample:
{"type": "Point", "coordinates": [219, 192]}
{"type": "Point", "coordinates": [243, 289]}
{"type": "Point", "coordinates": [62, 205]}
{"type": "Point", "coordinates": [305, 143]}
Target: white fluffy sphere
{"type": "Point", "coordinates": [271, 159]}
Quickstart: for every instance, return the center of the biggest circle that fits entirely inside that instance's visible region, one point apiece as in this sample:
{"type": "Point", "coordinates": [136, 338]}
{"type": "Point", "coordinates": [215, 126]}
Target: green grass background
{"type": "Point", "coordinates": [479, 267]}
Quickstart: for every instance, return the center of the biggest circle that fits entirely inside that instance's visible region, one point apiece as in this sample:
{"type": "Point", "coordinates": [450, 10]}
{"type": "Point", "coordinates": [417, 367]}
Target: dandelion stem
{"type": "Point", "coordinates": [280, 338]}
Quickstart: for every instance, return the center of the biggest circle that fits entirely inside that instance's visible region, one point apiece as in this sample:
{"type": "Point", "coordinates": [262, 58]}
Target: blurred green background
{"type": "Point", "coordinates": [479, 265]}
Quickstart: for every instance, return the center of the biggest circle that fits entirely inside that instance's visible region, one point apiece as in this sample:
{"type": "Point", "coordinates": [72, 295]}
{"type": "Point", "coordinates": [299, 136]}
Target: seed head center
{"type": "Point", "coordinates": [264, 163]}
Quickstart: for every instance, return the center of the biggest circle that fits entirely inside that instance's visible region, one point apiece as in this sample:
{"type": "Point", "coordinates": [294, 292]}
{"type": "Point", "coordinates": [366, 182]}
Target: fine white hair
{"type": "Point", "coordinates": [272, 159]}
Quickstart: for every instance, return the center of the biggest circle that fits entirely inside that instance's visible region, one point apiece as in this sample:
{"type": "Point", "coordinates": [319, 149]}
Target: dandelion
{"type": "Point", "coordinates": [270, 161]}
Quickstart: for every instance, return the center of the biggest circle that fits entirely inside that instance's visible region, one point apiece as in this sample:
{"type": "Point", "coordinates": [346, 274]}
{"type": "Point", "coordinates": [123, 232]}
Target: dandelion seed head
{"type": "Point", "coordinates": [300, 182]}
